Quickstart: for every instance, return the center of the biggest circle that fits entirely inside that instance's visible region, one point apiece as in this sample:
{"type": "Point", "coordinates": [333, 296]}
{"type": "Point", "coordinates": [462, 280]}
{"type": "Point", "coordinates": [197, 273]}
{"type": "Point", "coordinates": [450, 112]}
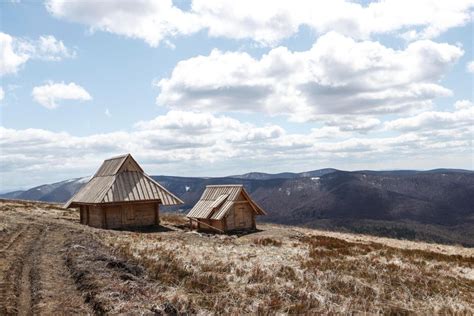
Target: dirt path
{"type": "Point", "coordinates": [33, 276]}
{"type": "Point", "coordinates": [51, 265]}
{"type": "Point", "coordinates": [24, 304]}
{"type": "Point", "coordinates": [56, 293]}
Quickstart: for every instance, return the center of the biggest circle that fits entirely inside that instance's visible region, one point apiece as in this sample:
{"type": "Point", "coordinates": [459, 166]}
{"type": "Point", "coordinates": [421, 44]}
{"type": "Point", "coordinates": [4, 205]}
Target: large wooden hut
{"type": "Point", "coordinates": [224, 208]}
{"type": "Point", "coordinates": [121, 195]}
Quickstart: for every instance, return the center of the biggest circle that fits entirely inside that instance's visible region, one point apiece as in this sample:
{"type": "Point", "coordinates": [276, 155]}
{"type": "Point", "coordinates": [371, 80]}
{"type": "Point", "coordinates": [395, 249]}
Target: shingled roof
{"type": "Point", "coordinates": [217, 200]}
{"type": "Point", "coordinates": [121, 179]}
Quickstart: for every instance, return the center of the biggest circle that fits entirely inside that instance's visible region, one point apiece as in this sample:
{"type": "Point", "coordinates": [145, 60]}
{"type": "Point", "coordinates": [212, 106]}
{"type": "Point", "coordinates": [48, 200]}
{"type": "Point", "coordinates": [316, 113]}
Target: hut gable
{"type": "Point", "coordinates": [114, 165]}
{"type": "Point", "coordinates": [218, 200]}
{"type": "Point", "coordinates": [121, 179]}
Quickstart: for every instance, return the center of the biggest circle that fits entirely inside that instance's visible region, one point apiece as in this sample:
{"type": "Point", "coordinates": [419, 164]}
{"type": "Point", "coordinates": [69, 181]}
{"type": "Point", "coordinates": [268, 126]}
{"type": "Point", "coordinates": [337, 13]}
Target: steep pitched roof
{"type": "Point", "coordinates": [121, 179]}
{"type": "Point", "coordinates": [217, 200]}
{"type": "Point", "coordinates": [113, 165]}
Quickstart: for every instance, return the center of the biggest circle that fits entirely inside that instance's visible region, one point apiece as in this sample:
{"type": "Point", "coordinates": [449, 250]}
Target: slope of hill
{"type": "Point", "coordinates": [52, 265]}
{"type": "Point", "coordinates": [412, 205]}
{"type": "Point", "coordinates": [54, 192]}
{"type": "Point", "coordinates": [433, 205]}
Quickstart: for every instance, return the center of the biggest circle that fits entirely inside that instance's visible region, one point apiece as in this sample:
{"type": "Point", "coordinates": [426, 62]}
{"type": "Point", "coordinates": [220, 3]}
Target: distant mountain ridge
{"type": "Point", "coordinates": [54, 192]}
{"type": "Point", "coordinates": [283, 175]}
{"type": "Point", "coordinates": [435, 205]}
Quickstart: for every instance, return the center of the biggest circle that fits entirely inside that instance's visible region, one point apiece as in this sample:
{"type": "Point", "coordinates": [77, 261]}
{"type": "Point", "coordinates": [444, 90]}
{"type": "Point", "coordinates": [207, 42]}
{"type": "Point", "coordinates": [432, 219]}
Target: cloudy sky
{"type": "Point", "coordinates": [213, 88]}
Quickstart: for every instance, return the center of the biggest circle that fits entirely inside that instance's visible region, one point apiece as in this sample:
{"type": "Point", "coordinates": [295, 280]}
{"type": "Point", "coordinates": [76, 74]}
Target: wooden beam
{"type": "Point", "coordinates": [115, 203]}
{"type": "Point", "coordinates": [241, 202]}
{"type": "Point", "coordinates": [210, 226]}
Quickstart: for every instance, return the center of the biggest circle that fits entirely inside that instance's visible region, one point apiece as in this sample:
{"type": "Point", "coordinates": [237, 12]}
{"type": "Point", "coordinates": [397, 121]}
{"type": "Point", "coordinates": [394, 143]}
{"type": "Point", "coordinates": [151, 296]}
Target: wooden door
{"type": "Point", "coordinates": [128, 215]}
{"type": "Point", "coordinates": [113, 216]}
{"type": "Point", "coordinates": [239, 216]}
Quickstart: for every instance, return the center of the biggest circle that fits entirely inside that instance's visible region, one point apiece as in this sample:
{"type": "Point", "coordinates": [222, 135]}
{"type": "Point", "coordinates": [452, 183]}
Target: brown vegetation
{"type": "Point", "coordinates": [266, 241]}
{"type": "Point", "coordinates": [276, 270]}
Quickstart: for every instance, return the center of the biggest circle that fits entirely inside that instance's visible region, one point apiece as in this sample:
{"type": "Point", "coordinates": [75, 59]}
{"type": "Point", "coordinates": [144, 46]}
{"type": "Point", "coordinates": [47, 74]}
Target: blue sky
{"type": "Point", "coordinates": [219, 87]}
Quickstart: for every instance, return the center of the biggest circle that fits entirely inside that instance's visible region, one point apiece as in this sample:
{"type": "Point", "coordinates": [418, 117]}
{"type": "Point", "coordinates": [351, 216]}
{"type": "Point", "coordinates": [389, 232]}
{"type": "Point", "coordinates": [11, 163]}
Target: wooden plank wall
{"type": "Point", "coordinates": [114, 216]}
{"type": "Point", "coordinates": [240, 216]}
{"type": "Point", "coordinates": [95, 216]}
{"type": "Point", "coordinates": [230, 220]}
{"type": "Point", "coordinates": [143, 214]}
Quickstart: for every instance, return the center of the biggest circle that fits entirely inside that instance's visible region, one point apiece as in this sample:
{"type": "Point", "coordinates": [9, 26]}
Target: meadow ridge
{"type": "Point", "coordinates": [52, 264]}
{"type": "Point", "coordinates": [433, 206]}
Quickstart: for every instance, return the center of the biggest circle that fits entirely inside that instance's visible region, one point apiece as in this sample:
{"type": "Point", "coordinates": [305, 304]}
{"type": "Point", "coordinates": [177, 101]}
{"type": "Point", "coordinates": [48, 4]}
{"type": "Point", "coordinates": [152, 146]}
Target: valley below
{"type": "Point", "coordinates": [51, 264]}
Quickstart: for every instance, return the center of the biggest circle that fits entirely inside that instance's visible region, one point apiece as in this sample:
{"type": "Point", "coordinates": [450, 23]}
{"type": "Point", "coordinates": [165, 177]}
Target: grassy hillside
{"type": "Point", "coordinates": [169, 269]}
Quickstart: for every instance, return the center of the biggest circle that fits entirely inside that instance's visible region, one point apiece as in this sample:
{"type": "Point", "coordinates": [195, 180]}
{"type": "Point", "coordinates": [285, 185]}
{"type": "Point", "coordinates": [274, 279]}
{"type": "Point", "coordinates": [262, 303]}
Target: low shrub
{"type": "Point", "coordinates": [266, 241]}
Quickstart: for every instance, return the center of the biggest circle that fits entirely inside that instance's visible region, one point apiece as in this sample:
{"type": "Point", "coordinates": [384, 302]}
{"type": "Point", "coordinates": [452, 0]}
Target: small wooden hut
{"type": "Point", "coordinates": [121, 195]}
{"type": "Point", "coordinates": [224, 208]}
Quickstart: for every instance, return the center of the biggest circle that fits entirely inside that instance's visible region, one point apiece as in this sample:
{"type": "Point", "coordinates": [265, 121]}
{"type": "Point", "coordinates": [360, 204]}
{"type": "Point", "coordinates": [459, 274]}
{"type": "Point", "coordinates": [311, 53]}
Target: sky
{"type": "Point", "coordinates": [215, 88]}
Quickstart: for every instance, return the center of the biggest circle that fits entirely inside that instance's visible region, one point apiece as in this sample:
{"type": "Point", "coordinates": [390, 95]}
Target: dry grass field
{"type": "Point", "coordinates": [50, 264]}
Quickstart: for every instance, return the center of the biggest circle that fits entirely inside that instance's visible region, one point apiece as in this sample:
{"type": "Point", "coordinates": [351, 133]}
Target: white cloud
{"type": "Point", "coordinates": [462, 116]}
{"type": "Point", "coordinates": [470, 67]}
{"type": "Point", "coordinates": [183, 127]}
{"type": "Point", "coordinates": [151, 21]}
{"type": "Point", "coordinates": [168, 139]}
{"type": "Point", "coordinates": [49, 48]}
{"type": "Point", "coordinates": [269, 24]}
{"type": "Point", "coordinates": [338, 75]}
{"type": "Point", "coordinates": [355, 123]}
{"type": "Point", "coordinates": [10, 58]}
{"type": "Point", "coordinates": [190, 143]}
{"type": "Point", "coordinates": [107, 113]}
{"type": "Point", "coordinates": [266, 23]}
{"type": "Point", "coordinates": [2, 94]}
{"type": "Point", "coordinates": [48, 95]}
{"type": "Point", "coordinates": [463, 104]}
{"type": "Point", "coordinates": [14, 52]}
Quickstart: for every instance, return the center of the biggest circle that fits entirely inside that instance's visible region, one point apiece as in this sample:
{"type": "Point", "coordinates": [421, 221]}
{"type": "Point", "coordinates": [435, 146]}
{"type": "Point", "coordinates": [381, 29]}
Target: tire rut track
{"type": "Point", "coordinates": [34, 279]}
{"type": "Point", "coordinates": [56, 290]}
{"type": "Point", "coordinates": [15, 292]}
{"type": "Point", "coordinates": [14, 239]}
{"type": "Point", "coordinates": [26, 287]}
{"type": "Point", "coordinates": [52, 266]}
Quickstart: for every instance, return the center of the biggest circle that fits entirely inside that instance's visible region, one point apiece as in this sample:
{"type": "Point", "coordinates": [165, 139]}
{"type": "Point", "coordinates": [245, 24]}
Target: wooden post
{"type": "Point", "coordinates": [157, 214]}
{"type": "Point", "coordinates": [81, 215]}
{"type": "Point", "coordinates": [104, 214]}
{"type": "Point", "coordinates": [123, 215]}
{"type": "Point", "coordinates": [88, 215]}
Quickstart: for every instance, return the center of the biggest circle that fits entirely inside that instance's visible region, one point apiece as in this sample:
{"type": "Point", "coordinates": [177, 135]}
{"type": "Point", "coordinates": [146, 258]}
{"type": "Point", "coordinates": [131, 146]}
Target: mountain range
{"type": "Point", "coordinates": [435, 205]}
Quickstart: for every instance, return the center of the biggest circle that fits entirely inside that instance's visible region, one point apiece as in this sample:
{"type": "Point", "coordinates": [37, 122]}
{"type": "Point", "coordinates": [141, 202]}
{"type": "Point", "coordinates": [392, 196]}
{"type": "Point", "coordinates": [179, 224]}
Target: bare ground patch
{"type": "Point", "coordinates": [33, 276]}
